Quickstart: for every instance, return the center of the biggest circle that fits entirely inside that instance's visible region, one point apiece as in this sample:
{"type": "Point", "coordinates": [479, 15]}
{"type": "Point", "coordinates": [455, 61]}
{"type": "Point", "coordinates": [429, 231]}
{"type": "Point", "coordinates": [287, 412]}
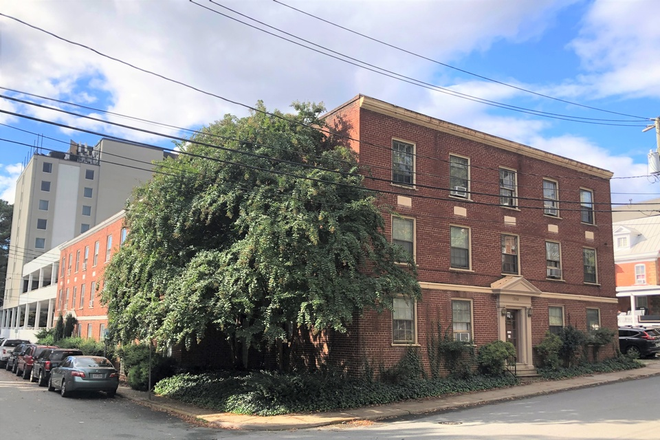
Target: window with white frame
{"type": "Point", "coordinates": [75, 295]}
{"type": "Point", "coordinates": [589, 264]}
{"type": "Point", "coordinates": [640, 274]}
{"type": "Point", "coordinates": [550, 198]}
{"type": "Point", "coordinates": [587, 206]}
{"type": "Point", "coordinates": [459, 176]}
{"type": "Point", "coordinates": [461, 318]}
{"type": "Point", "coordinates": [593, 319]}
{"type": "Point", "coordinates": [86, 210]}
{"type": "Point", "coordinates": [553, 260]}
{"type": "Point", "coordinates": [555, 319]}
{"type": "Point", "coordinates": [460, 247]}
{"type": "Point", "coordinates": [82, 296]}
{"type": "Point", "coordinates": [403, 163]}
{"type": "Point", "coordinates": [66, 299]}
{"type": "Point", "coordinates": [101, 332]}
{"type": "Point", "coordinates": [403, 233]}
{"type": "Point", "coordinates": [89, 331]}
{"type": "Point", "coordinates": [108, 248]}
{"type": "Point", "coordinates": [88, 192]}
{"type": "Point", "coordinates": [85, 257]}
{"type": "Point", "coordinates": [84, 227]}
{"type": "Point", "coordinates": [510, 254]}
{"type": "Point", "coordinates": [42, 223]}
{"type": "Point", "coordinates": [96, 253]}
{"type": "Point", "coordinates": [92, 293]}
{"type": "Point", "coordinates": [403, 321]}
{"type": "Point", "coordinates": [47, 167]}
{"type": "Point", "coordinates": [77, 260]}
{"type": "Point", "coordinates": [45, 186]}
{"type": "Point", "coordinates": [621, 242]}
{"type": "Point", "coordinates": [508, 188]}
{"type": "Point", "coordinates": [122, 237]}
{"type": "Point", "coordinates": [68, 267]}
{"type": "Point", "coordinates": [43, 205]}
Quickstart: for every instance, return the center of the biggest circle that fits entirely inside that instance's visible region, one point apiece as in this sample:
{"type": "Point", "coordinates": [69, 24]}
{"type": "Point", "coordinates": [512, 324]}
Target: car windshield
{"type": "Point", "coordinates": [92, 362]}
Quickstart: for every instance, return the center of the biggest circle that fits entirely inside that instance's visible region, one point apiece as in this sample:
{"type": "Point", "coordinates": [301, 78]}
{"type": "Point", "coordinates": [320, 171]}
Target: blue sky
{"type": "Point", "coordinates": [603, 54]}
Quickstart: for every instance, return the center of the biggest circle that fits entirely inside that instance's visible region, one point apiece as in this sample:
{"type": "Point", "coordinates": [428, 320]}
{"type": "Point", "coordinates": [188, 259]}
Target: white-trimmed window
{"type": "Point", "coordinates": [68, 267]}
{"type": "Point", "coordinates": [85, 257]}
{"type": "Point", "coordinates": [460, 247]}
{"type": "Point", "coordinates": [88, 192]}
{"type": "Point", "coordinates": [108, 248]}
{"type": "Point", "coordinates": [459, 176]}
{"type": "Point", "coordinates": [89, 331]}
{"type": "Point", "coordinates": [77, 260]}
{"type": "Point", "coordinates": [96, 253]}
{"type": "Point", "coordinates": [45, 185]}
{"type": "Point", "coordinates": [123, 235]}
{"type": "Point", "coordinates": [510, 254]}
{"type": "Point", "coordinates": [86, 210]}
{"type": "Point", "coordinates": [556, 319]}
{"type": "Point", "coordinates": [73, 299]}
{"type": "Point", "coordinates": [403, 233]}
{"type": "Point", "coordinates": [587, 206]}
{"type": "Point", "coordinates": [40, 243]}
{"type": "Point", "coordinates": [589, 264]}
{"type": "Point", "coordinates": [553, 260]}
{"type": "Point", "coordinates": [622, 242]}
{"type": "Point", "coordinates": [47, 167]}
{"type": "Point", "coordinates": [403, 321]}
{"type": "Point", "coordinates": [82, 296]}
{"type": "Point", "coordinates": [461, 318]}
{"type": "Point", "coordinates": [550, 198]}
{"type": "Point", "coordinates": [640, 274]}
{"type": "Point", "coordinates": [593, 319]}
{"type": "Point", "coordinates": [508, 188]}
{"type": "Point", "coordinates": [42, 223]}
{"type": "Point", "coordinates": [101, 332]}
{"type": "Point", "coordinates": [43, 205]}
{"type": "Point", "coordinates": [92, 292]}
{"type": "Point", "coordinates": [403, 163]}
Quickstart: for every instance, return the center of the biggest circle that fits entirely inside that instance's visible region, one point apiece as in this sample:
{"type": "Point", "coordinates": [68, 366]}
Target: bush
{"type": "Point", "coordinates": [615, 364]}
{"type": "Point", "coordinates": [548, 351]}
{"type": "Point", "coordinates": [599, 338]}
{"type": "Point", "coordinates": [135, 360]}
{"type": "Point", "coordinates": [573, 343]}
{"type": "Point", "coordinates": [492, 357]}
{"type": "Point", "coordinates": [409, 368]}
{"type": "Point", "coordinates": [46, 337]}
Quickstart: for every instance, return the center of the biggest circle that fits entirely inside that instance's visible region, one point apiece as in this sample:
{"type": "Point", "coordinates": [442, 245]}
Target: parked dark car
{"type": "Point", "coordinates": [25, 359]}
{"type": "Point", "coordinates": [7, 347]}
{"type": "Point", "coordinates": [84, 373]}
{"type": "Point", "coordinates": [11, 362]}
{"type": "Point", "coordinates": [639, 342]}
{"type": "Point", "coordinates": [49, 359]}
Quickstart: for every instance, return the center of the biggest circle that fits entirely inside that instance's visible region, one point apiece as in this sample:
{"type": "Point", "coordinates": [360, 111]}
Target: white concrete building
{"type": "Point", "coordinates": [59, 196]}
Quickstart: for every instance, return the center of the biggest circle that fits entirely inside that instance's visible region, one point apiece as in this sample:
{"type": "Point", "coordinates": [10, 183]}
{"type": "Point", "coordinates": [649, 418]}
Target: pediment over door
{"type": "Point", "coordinates": [514, 285]}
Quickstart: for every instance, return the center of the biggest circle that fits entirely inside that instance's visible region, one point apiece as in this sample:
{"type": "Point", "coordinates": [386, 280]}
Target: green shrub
{"type": "Point", "coordinates": [607, 366]}
{"type": "Point", "coordinates": [492, 357]}
{"type": "Point", "coordinates": [548, 351]}
{"type": "Point", "coordinates": [458, 357]}
{"type": "Point", "coordinates": [69, 325]}
{"type": "Point", "coordinates": [409, 368]}
{"type": "Point", "coordinates": [59, 329]}
{"type": "Point", "coordinates": [573, 343]}
{"type": "Point", "coordinates": [46, 337]}
{"type": "Point", "coordinates": [599, 338]}
{"type": "Point", "coordinates": [135, 360]}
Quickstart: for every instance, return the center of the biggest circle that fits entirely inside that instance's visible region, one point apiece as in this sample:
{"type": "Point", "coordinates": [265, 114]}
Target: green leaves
{"type": "Point", "coordinates": [262, 226]}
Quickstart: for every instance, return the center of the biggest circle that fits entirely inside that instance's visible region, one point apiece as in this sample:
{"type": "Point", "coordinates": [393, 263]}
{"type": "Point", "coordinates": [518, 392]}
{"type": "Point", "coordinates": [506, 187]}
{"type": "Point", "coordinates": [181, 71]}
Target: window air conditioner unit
{"type": "Point", "coordinates": [459, 191]}
{"type": "Point", "coordinates": [554, 273]}
{"type": "Point", "coordinates": [463, 337]}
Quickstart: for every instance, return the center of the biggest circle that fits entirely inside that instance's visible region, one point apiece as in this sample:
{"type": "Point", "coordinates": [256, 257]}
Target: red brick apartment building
{"type": "Point", "coordinates": [82, 261]}
{"type": "Point", "coordinates": [510, 241]}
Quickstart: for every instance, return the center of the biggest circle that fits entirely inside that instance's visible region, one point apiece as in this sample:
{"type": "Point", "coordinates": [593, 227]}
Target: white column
{"type": "Point", "coordinates": [27, 315]}
{"type": "Point", "coordinates": [30, 279]}
{"type": "Point", "coordinates": [37, 315]}
{"type": "Point", "coordinates": [49, 322]}
{"type": "Point", "coordinates": [17, 316]}
{"type": "Point", "coordinates": [54, 273]}
{"type": "Point", "coordinates": [41, 277]}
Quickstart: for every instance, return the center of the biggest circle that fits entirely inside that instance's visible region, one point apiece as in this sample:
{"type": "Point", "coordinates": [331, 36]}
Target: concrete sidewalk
{"type": "Point", "coordinates": [373, 413]}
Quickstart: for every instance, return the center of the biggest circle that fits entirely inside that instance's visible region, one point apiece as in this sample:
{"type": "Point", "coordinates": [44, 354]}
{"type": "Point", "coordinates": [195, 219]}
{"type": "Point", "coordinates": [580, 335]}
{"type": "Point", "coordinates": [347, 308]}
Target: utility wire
{"type": "Point", "coordinates": [409, 52]}
{"type": "Point", "coordinates": [391, 74]}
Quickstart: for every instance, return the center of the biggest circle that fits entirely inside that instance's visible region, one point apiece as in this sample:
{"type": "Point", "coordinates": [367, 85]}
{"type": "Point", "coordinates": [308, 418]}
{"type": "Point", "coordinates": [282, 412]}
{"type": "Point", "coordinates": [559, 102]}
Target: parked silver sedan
{"type": "Point", "coordinates": [84, 373]}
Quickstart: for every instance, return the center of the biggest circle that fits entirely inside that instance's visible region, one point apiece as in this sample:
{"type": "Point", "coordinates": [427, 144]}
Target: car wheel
{"type": "Point", "coordinates": [17, 371]}
{"type": "Point", "coordinates": [633, 352]}
{"type": "Point", "coordinates": [7, 366]}
{"type": "Point", "coordinates": [50, 384]}
{"type": "Point", "coordinates": [63, 390]}
{"type": "Point", "coordinates": [26, 375]}
{"type": "Point", "coordinates": [42, 379]}
{"type": "Point", "coordinates": [14, 368]}
{"type": "Point", "coordinates": [33, 378]}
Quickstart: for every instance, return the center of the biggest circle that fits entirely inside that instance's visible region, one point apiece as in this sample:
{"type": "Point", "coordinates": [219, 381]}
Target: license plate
{"type": "Point", "coordinates": [98, 376]}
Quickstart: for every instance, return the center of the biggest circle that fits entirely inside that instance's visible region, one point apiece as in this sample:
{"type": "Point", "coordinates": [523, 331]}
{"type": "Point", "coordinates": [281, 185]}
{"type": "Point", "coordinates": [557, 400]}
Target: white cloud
{"type": "Point", "coordinates": [8, 176]}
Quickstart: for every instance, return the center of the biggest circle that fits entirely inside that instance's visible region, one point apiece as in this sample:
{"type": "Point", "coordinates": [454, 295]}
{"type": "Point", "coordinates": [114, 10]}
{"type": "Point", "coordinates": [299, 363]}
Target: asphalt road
{"type": "Point", "coordinates": [624, 410]}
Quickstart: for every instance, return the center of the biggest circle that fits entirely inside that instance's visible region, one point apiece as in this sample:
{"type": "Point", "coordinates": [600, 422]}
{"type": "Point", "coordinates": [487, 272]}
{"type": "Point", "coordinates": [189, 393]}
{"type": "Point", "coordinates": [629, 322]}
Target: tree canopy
{"type": "Point", "coordinates": [260, 226]}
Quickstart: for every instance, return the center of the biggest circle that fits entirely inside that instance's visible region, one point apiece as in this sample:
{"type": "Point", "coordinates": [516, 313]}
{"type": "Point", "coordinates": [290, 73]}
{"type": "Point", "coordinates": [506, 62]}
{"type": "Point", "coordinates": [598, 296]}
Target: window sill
{"type": "Point", "coordinates": [506, 274]}
{"type": "Point", "coordinates": [400, 185]}
{"type": "Point", "coordinates": [405, 344]}
{"type": "Point", "coordinates": [554, 217]}
{"type": "Point", "coordinates": [457, 269]}
{"type": "Point", "coordinates": [589, 224]}
{"type": "Point", "coordinates": [559, 280]}
{"type": "Point", "coordinates": [592, 284]}
{"type": "Point", "coordinates": [510, 208]}
{"type": "Point", "coordinates": [457, 198]}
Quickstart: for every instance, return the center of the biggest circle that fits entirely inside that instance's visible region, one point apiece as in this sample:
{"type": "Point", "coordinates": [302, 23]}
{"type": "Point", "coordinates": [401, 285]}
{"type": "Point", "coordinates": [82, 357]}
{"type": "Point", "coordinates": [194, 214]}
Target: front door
{"type": "Point", "coordinates": [512, 326]}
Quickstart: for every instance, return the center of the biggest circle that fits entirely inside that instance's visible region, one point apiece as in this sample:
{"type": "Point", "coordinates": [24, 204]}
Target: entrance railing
{"type": "Point", "coordinates": [511, 365]}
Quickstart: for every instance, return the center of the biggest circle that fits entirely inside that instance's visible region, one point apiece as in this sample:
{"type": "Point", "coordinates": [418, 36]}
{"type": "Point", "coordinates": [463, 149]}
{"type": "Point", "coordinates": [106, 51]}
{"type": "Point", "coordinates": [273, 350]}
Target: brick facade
{"type": "Point", "coordinates": [370, 127]}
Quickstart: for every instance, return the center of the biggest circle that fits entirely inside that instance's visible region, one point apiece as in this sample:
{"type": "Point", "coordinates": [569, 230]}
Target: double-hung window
{"type": "Point", "coordinates": [550, 198]}
{"type": "Point", "coordinates": [460, 247]}
{"type": "Point", "coordinates": [593, 319]}
{"type": "Point", "coordinates": [556, 319]}
{"type": "Point", "coordinates": [640, 274]}
{"type": "Point", "coordinates": [403, 163]}
{"type": "Point", "coordinates": [587, 206]}
{"type": "Point", "coordinates": [508, 188]}
{"type": "Point", "coordinates": [589, 264]}
{"type": "Point", "coordinates": [459, 176]}
{"type": "Point", "coordinates": [553, 260]}
{"type": "Point", "coordinates": [403, 321]}
{"type": "Point", "coordinates": [96, 253]}
{"type": "Point", "coordinates": [403, 234]}
{"type": "Point", "coordinates": [82, 296]}
{"type": "Point", "coordinates": [510, 254]}
{"type": "Point", "coordinates": [461, 318]}
{"type": "Point", "coordinates": [108, 248]}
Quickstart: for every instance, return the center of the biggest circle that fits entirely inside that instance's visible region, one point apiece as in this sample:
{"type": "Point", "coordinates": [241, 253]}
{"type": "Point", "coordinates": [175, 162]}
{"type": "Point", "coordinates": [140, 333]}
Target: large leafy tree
{"type": "Point", "coordinates": [263, 226]}
{"type": "Point", "coordinates": [6, 212]}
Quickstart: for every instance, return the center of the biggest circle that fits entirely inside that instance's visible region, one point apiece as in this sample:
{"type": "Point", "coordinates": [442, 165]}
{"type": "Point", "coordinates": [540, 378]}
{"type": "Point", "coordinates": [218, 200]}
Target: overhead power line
{"type": "Point", "coordinates": [476, 75]}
